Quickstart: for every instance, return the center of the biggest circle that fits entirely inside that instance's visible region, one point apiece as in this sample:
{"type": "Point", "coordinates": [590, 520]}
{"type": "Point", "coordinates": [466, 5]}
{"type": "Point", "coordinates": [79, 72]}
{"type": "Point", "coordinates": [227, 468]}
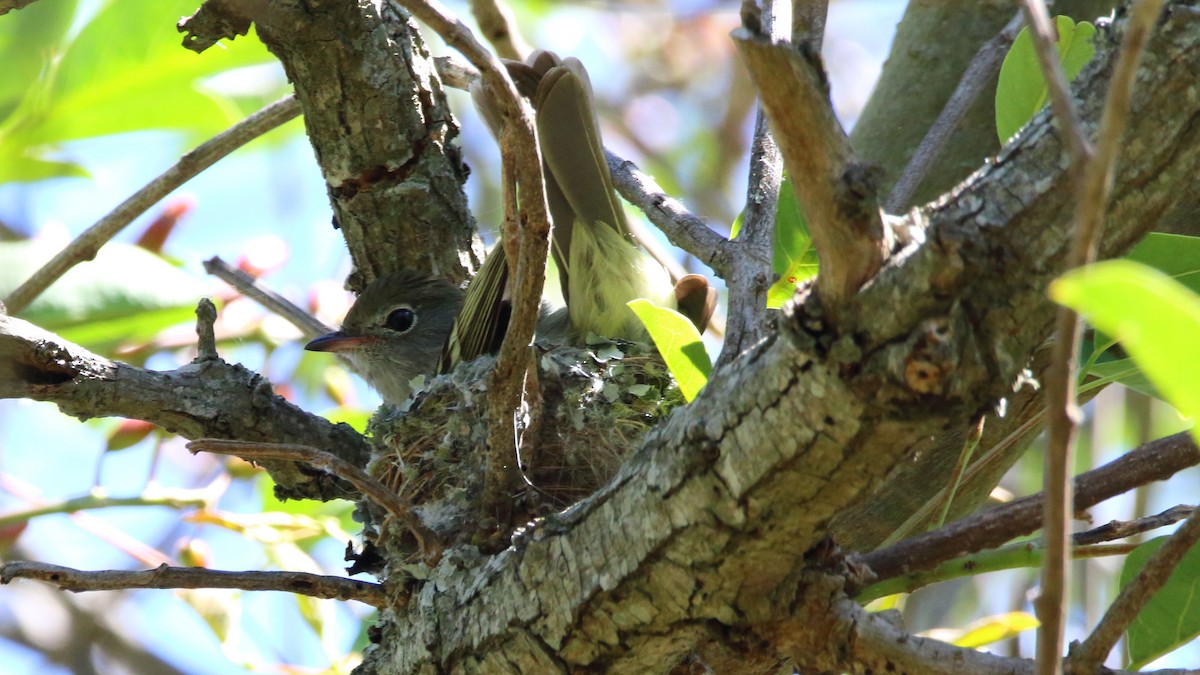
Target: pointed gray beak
{"type": "Point", "coordinates": [338, 342]}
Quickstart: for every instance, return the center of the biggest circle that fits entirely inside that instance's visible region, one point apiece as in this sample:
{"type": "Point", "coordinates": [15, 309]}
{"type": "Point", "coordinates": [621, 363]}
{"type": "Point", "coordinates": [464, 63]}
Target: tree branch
{"type": "Point", "coordinates": [1089, 656]}
{"type": "Point", "coordinates": [207, 398]}
{"type": "Point", "coordinates": [430, 544]}
{"type": "Point", "coordinates": [1156, 460]}
{"type": "Point", "coordinates": [980, 74]}
{"type": "Point", "coordinates": [714, 513]}
{"type": "Point", "coordinates": [836, 191]}
{"type": "Point", "coordinates": [163, 576]}
{"type": "Point", "coordinates": [86, 245]}
{"type": "Point", "coordinates": [309, 325]}
{"type": "Point", "coordinates": [752, 273]}
{"type": "Point", "coordinates": [1091, 199]}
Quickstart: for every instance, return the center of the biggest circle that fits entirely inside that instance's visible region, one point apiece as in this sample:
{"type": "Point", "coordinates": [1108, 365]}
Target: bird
{"type": "Point", "coordinates": [409, 323]}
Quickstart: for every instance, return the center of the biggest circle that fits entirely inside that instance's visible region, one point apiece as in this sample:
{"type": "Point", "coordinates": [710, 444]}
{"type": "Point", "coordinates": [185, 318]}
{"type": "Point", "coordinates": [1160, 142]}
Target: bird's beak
{"type": "Point", "coordinates": [337, 342]}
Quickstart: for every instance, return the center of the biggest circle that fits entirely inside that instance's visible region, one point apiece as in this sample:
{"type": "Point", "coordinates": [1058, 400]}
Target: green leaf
{"type": "Point", "coordinates": [1171, 618]}
{"type": "Point", "coordinates": [679, 343]}
{"type": "Point", "coordinates": [795, 259]}
{"type": "Point", "coordinates": [1174, 254]}
{"type": "Point", "coordinates": [1021, 90]}
{"type": "Point", "coordinates": [105, 82]}
{"type": "Point", "coordinates": [126, 294]}
{"type": "Point", "coordinates": [996, 628]}
{"type": "Point", "coordinates": [1156, 319]}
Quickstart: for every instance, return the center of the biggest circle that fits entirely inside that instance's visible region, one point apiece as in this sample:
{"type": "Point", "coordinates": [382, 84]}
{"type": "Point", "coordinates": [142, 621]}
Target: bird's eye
{"type": "Point", "coordinates": [401, 319]}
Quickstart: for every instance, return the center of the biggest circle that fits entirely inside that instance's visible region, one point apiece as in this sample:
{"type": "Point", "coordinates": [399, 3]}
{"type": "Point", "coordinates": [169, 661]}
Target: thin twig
{"type": "Point", "coordinates": [752, 269]}
{"type": "Point", "coordinates": [1020, 555]}
{"type": "Point", "coordinates": [175, 499]}
{"type": "Point", "coordinates": [86, 245]}
{"type": "Point", "coordinates": [1121, 529]}
{"type": "Point", "coordinates": [1045, 37]}
{"type": "Point", "coordinates": [980, 72]}
{"type": "Point", "coordinates": [164, 576]}
{"type": "Point", "coordinates": [1088, 657]}
{"type": "Point", "coordinates": [808, 22]}
{"type": "Point", "coordinates": [250, 287]}
{"type": "Point", "coordinates": [496, 22]}
{"type": "Point", "coordinates": [373, 489]}
{"type": "Point", "coordinates": [1157, 460]}
{"type": "Point", "coordinates": [526, 241]}
{"type": "Point", "coordinates": [1092, 192]}
{"type": "Point", "coordinates": [682, 228]}
{"type": "Point", "coordinates": [960, 468]}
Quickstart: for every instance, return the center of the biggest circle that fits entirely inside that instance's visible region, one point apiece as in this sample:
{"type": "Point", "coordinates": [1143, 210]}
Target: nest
{"type": "Point", "coordinates": [596, 403]}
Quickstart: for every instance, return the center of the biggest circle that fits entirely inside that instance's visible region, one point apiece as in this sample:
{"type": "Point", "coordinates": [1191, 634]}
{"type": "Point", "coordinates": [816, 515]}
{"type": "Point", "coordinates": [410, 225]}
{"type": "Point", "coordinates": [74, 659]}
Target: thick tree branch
{"type": "Point", "coordinates": [206, 398]}
{"type": "Point", "coordinates": [377, 118]}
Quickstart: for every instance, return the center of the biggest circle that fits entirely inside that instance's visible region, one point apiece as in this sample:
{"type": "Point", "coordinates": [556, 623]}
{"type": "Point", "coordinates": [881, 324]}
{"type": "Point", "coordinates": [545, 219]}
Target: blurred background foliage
{"type": "Point", "coordinates": [98, 97]}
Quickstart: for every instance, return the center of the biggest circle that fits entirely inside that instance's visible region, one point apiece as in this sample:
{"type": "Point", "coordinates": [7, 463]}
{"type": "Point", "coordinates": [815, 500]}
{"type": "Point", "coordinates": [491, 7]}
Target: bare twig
{"type": "Point", "coordinates": [373, 489]}
{"type": "Point", "coordinates": [164, 576]}
{"type": "Point", "coordinates": [1045, 36]}
{"type": "Point", "coordinates": [1021, 555]}
{"type": "Point", "coordinates": [1156, 460]}
{"type": "Point", "coordinates": [979, 74]}
{"type": "Point", "coordinates": [683, 228]}
{"type": "Point", "coordinates": [496, 22]}
{"type": "Point", "coordinates": [808, 22]}
{"type": "Point", "coordinates": [752, 271]}
{"type": "Point", "coordinates": [1088, 657]}
{"type": "Point", "coordinates": [960, 468]}
{"type": "Point", "coordinates": [39, 365]}
{"type": "Point", "coordinates": [1120, 529]}
{"type": "Point", "coordinates": [838, 192]}
{"type": "Point", "coordinates": [175, 499]}
{"type": "Point", "coordinates": [454, 73]}
{"type": "Point", "coordinates": [526, 240]}
{"type": "Point", "coordinates": [250, 287]}
{"type": "Point", "coordinates": [86, 245]}
{"type": "Point", "coordinates": [1092, 192]}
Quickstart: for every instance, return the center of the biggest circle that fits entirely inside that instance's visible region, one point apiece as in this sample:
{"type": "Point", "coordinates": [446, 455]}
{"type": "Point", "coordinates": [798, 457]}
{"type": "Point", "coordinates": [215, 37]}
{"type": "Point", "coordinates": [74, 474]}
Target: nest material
{"type": "Point", "coordinates": [596, 402]}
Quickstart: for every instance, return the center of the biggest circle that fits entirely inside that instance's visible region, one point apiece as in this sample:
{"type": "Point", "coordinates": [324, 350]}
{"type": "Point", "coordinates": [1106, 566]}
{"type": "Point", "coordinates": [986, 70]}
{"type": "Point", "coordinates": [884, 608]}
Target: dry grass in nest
{"type": "Point", "coordinates": [597, 402]}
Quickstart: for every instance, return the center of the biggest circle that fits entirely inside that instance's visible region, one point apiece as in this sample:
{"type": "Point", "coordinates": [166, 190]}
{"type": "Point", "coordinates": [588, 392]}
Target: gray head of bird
{"type": "Point", "coordinates": [395, 331]}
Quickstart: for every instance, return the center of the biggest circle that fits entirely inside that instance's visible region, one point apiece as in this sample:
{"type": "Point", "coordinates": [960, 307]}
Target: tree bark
{"type": "Point", "coordinates": [719, 526]}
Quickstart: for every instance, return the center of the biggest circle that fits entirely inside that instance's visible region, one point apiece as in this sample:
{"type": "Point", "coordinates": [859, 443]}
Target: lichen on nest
{"type": "Point", "coordinates": [596, 404]}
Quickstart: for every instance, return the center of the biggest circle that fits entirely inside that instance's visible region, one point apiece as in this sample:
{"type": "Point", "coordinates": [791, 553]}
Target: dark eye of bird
{"type": "Point", "coordinates": [401, 319]}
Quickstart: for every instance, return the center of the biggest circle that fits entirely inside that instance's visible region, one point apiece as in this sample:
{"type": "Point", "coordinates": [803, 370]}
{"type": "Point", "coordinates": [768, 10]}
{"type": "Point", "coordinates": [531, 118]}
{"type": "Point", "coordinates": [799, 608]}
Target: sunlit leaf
{"type": "Point", "coordinates": [1156, 319]}
{"type": "Point", "coordinates": [1021, 90]}
{"type": "Point", "coordinates": [679, 342]}
{"type": "Point", "coordinates": [795, 259]}
{"type": "Point", "coordinates": [1171, 618]}
{"type": "Point", "coordinates": [996, 628]}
